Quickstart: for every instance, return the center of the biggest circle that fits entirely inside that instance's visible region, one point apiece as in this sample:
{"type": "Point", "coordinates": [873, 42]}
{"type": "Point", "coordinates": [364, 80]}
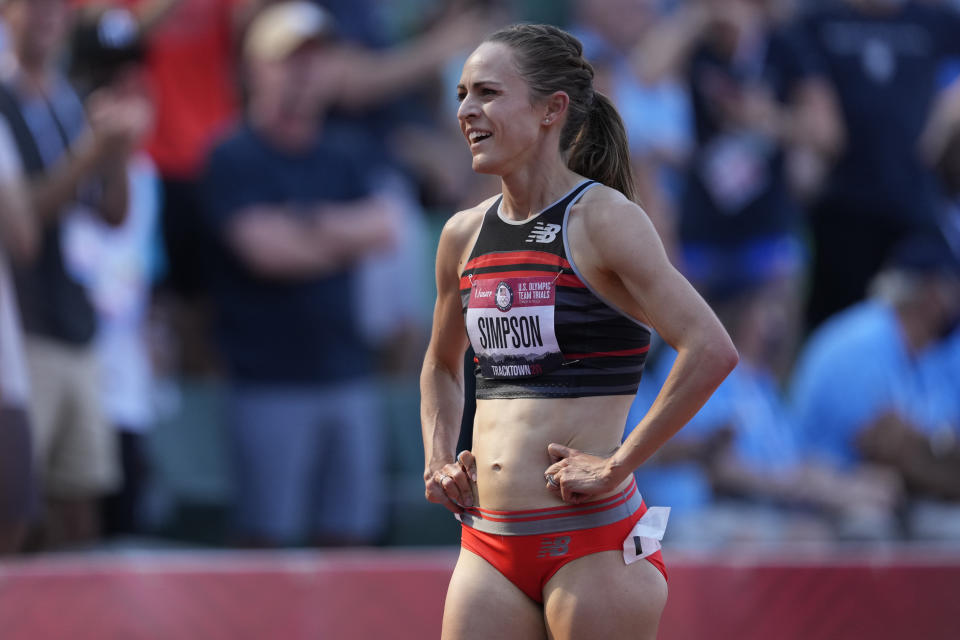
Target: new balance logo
{"type": "Point", "coordinates": [554, 547]}
{"type": "Point", "coordinates": [543, 233]}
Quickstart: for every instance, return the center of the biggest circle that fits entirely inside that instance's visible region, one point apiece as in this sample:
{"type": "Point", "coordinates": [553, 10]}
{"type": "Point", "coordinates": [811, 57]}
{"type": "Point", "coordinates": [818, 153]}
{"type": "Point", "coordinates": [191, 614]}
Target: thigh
{"type": "Point", "coordinates": [481, 603]}
{"type": "Point", "coordinates": [46, 398]}
{"type": "Point", "coordinates": [599, 596]}
{"type": "Point", "coordinates": [274, 437]}
{"type": "Point", "coordinates": [351, 483]}
{"type": "Point", "coordinates": [86, 459]}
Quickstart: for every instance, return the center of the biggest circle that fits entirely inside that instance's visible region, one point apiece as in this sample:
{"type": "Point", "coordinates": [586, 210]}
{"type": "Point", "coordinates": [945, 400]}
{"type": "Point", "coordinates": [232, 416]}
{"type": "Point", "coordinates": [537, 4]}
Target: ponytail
{"type": "Point", "coordinates": [600, 150]}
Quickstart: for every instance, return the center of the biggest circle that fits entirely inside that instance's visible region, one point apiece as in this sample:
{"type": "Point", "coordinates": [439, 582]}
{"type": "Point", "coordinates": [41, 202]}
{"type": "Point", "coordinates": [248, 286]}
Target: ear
{"type": "Point", "coordinates": [555, 107]}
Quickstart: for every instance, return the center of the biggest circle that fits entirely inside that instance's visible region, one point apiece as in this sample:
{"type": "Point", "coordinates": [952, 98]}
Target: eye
{"type": "Point", "coordinates": [461, 95]}
{"type": "Point", "coordinates": [488, 92]}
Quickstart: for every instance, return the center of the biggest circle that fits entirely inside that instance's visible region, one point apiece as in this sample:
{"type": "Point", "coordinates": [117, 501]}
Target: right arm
{"type": "Point", "coordinates": [665, 50]}
{"type": "Point", "coordinates": [441, 380]}
{"type": "Point", "coordinates": [100, 153]}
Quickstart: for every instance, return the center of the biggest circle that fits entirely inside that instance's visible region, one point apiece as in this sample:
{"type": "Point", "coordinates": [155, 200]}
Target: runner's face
{"type": "Point", "coordinates": [497, 116]}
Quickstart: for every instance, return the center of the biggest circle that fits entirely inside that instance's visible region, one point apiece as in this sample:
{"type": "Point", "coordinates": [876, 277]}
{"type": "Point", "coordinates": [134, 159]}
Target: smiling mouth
{"type": "Point", "coordinates": [478, 136]}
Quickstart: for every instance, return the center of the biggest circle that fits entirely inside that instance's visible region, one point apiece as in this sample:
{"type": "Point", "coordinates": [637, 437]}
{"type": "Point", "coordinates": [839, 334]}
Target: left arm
{"type": "Point", "coordinates": [621, 245]}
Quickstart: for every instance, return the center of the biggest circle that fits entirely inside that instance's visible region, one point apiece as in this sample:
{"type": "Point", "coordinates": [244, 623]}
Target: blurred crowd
{"type": "Point", "coordinates": [249, 192]}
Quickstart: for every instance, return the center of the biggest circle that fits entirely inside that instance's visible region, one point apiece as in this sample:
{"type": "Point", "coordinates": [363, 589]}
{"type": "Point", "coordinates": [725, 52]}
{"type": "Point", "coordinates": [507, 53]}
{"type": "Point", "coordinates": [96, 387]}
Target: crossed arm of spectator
{"type": "Point", "coordinates": [927, 465]}
{"type": "Point", "coordinates": [275, 241]}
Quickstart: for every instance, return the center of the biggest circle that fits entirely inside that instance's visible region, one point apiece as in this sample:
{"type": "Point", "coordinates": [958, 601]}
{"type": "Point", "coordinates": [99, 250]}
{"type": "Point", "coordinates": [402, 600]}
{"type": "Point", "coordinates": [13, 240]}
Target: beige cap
{"type": "Point", "coordinates": [281, 28]}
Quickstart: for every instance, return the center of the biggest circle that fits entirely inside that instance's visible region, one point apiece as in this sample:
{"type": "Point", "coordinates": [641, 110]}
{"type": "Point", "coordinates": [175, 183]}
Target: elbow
{"type": "Point", "coordinates": [723, 357]}
{"type": "Point", "coordinates": [731, 360]}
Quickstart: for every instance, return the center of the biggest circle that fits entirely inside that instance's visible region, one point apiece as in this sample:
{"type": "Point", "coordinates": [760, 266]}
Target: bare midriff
{"type": "Point", "coordinates": [510, 438]}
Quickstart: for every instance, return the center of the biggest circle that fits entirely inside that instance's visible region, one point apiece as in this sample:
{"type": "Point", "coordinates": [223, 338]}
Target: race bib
{"type": "Point", "coordinates": [510, 322]}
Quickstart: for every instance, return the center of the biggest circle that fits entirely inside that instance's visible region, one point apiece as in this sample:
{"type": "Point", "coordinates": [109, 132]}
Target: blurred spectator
{"type": "Point", "coordinates": [412, 127]}
{"type": "Point", "coordinates": [192, 78]}
{"type": "Point", "coordinates": [863, 389]}
{"type": "Point", "coordinates": [18, 239]}
{"type": "Point", "coordinates": [292, 216]}
{"type": "Point", "coordinates": [657, 115]}
{"type": "Point", "coordinates": [884, 59]}
{"type": "Point", "coordinates": [73, 169]}
{"type": "Point", "coordinates": [119, 262]}
{"type": "Point", "coordinates": [191, 75]}
{"type": "Point", "coordinates": [758, 100]}
{"type": "Point", "coordinates": [940, 145]}
{"type": "Point", "coordinates": [737, 472]}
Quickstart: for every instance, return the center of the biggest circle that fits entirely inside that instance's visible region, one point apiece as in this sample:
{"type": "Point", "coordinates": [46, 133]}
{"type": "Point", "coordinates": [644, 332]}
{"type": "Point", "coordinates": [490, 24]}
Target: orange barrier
{"type": "Point", "coordinates": [398, 594]}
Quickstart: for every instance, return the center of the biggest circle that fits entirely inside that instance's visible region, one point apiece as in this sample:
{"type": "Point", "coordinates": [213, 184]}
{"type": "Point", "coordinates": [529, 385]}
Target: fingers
{"type": "Point", "coordinates": [435, 493]}
{"type": "Point", "coordinates": [469, 463]}
{"type": "Point", "coordinates": [558, 485]}
{"type": "Point", "coordinates": [455, 483]}
{"type": "Point", "coordinates": [451, 484]}
{"type": "Point", "coordinates": [559, 452]}
{"type": "Point", "coordinates": [553, 484]}
{"type": "Point", "coordinates": [457, 486]}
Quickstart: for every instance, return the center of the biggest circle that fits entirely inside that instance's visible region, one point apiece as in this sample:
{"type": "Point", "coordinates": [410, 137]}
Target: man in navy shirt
{"type": "Point", "coordinates": [884, 57]}
{"type": "Point", "coordinates": [292, 215]}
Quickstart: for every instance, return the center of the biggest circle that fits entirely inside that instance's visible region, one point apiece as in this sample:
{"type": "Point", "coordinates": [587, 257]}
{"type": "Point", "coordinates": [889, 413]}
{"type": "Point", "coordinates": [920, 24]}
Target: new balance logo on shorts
{"type": "Point", "coordinates": [543, 233]}
{"type": "Point", "coordinates": [554, 547]}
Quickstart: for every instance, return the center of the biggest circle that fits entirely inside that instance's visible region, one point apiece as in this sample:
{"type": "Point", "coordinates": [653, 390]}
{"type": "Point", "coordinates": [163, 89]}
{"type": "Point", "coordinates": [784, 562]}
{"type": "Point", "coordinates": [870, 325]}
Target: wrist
{"type": "Point", "coordinates": [615, 471]}
{"type": "Point", "coordinates": [435, 464]}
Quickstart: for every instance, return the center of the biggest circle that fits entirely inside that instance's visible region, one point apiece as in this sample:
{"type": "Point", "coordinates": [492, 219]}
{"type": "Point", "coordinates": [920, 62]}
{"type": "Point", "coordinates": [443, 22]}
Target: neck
{"type": "Point", "coordinates": [290, 134]}
{"type": "Point", "coordinates": [531, 189]}
{"type": "Point", "coordinates": [916, 328]}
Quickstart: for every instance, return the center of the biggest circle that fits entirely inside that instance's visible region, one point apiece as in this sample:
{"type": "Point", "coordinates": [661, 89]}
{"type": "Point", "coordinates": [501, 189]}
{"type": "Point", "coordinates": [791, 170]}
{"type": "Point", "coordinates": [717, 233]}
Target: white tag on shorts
{"type": "Point", "coordinates": [644, 539]}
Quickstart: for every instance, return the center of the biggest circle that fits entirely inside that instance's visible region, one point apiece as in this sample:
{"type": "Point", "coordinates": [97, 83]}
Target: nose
{"type": "Point", "coordinates": [468, 108]}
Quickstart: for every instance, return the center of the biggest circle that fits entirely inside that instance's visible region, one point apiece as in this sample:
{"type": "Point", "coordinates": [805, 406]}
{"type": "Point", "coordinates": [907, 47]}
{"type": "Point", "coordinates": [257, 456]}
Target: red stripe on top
{"type": "Point", "coordinates": [563, 280]}
{"type": "Point", "coordinates": [601, 354]}
{"type": "Point", "coordinates": [570, 281]}
{"type": "Point", "coordinates": [516, 257]}
{"type": "Point", "coordinates": [626, 493]}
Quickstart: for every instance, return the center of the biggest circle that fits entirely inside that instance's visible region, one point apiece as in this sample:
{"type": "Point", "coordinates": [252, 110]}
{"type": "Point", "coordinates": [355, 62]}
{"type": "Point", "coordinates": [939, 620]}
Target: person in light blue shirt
{"type": "Point", "coordinates": [872, 383]}
{"type": "Point", "coordinates": [737, 473]}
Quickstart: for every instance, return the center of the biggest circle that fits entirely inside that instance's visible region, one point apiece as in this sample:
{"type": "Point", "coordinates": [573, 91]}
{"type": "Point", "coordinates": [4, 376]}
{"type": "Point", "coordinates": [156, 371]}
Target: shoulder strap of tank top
{"type": "Point", "coordinates": [561, 204]}
{"type": "Point", "coordinates": [492, 211]}
{"type": "Point", "coordinates": [578, 191]}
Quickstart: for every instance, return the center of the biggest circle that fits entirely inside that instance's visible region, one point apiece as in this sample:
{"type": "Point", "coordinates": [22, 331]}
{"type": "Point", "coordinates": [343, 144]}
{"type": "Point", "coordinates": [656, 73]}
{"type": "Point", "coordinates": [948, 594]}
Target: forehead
{"type": "Point", "coordinates": [490, 61]}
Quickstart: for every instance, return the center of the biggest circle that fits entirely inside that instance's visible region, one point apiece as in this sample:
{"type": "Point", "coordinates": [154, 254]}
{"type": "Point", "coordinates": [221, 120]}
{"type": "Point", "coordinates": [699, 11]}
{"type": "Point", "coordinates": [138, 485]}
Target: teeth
{"type": "Point", "coordinates": [477, 135]}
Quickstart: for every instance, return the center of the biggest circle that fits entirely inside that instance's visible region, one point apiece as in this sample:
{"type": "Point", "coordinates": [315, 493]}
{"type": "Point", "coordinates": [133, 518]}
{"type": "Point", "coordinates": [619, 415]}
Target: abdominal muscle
{"type": "Point", "coordinates": [510, 438]}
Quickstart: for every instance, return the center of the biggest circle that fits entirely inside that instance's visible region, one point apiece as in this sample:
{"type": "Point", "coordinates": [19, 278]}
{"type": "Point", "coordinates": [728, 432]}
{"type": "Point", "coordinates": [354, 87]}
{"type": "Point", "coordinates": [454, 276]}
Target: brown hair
{"type": "Point", "coordinates": [594, 137]}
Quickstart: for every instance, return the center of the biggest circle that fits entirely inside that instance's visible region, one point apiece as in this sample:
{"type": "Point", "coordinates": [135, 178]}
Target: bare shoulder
{"type": "Point", "coordinates": [461, 229]}
{"type": "Point", "coordinates": [606, 219]}
{"type": "Point", "coordinates": [459, 234]}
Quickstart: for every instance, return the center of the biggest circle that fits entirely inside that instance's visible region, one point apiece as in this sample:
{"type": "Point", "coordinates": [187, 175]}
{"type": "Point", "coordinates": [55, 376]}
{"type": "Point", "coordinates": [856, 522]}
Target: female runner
{"type": "Point", "coordinates": [560, 281]}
